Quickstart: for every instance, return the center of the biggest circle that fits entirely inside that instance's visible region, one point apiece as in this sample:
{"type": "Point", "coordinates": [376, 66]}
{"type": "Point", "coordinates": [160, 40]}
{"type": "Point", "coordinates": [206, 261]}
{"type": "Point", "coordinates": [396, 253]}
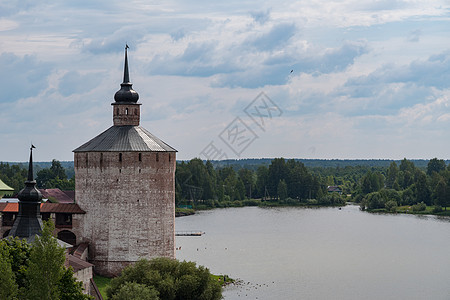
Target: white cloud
{"type": "Point", "coordinates": [366, 74]}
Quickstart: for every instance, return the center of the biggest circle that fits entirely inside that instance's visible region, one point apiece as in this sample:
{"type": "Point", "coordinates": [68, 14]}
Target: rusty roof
{"type": "Point", "coordinates": [68, 208]}
{"type": "Point", "coordinates": [76, 263]}
{"type": "Point", "coordinates": [59, 195]}
{"type": "Point", "coordinates": [125, 138]}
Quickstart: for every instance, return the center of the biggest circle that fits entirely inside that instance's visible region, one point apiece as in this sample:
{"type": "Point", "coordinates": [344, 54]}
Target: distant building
{"type": "Point", "coordinates": [5, 189]}
{"type": "Point", "coordinates": [334, 189]}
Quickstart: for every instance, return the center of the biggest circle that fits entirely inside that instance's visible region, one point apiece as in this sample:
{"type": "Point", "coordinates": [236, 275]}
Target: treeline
{"type": "Point", "coordinates": [405, 185]}
{"type": "Point", "coordinates": [284, 181]}
{"type": "Point", "coordinates": [378, 187]}
{"type": "Point", "coordinates": [14, 175]}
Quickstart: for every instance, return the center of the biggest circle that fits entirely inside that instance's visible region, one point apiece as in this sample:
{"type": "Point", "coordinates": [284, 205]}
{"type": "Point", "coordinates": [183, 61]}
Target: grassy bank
{"type": "Point", "coordinates": [407, 209]}
{"type": "Point", "coordinates": [102, 283]}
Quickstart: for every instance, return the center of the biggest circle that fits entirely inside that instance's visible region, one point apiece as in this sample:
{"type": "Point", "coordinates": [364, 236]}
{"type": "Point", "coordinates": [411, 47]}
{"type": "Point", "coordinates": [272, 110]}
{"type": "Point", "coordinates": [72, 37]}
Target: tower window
{"type": "Point", "coordinates": [120, 156]}
{"type": "Point", "coordinates": [157, 156]}
{"type": "Point", "coordinates": [126, 111]}
{"type": "Point", "coordinates": [135, 111]}
{"type": "Point", "coordinates": [140, 156]}
{"type": "Point", "coordinates": [169, 156]}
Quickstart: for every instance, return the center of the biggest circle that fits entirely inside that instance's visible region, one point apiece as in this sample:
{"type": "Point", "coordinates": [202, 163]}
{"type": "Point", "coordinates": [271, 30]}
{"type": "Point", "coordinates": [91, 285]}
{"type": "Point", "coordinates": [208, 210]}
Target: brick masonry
{"type": "Point", "coordinates": [129, 200]}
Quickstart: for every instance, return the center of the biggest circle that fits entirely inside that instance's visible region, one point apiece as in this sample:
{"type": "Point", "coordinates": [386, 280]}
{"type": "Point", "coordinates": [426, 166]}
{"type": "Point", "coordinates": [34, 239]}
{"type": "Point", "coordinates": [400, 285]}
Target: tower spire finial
{"type": "Point", "coordinates": [126, 93]}
{"type": "Point", "coordinates": [30, 164]}
{"type": "Point", "coordinates": [126, 75]}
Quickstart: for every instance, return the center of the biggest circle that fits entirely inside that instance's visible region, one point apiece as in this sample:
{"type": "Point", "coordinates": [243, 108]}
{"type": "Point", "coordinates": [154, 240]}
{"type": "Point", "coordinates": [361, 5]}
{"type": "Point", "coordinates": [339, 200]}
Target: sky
{"type": "Point", "coordinates": [345, 79]}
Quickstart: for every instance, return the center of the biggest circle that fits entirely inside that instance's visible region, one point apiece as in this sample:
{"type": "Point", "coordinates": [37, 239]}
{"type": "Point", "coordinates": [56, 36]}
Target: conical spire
{"type": "Point", "coordinates": [126, 93]}
{"type": "Point", "coordinates": [30, 192]}
{"type": "Point", "coordinates": [30, 164]}
{"type": "Point", "coordinates": [28, 223]}
{"type": "Point", "coordinates": [126, 75]}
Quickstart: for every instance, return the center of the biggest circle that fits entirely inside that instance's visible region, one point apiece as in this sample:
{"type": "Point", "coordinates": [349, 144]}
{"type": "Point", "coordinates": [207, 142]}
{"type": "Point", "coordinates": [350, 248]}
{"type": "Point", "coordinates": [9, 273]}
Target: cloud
{"type": "Point", "coordinates": [261, 16]}
{"type": "Point", "coordinates": [23, 76]}
{"type": "Point", "coordinates": [414, 36]}
{"type": "Point", "coordinates": [73, 82]}
{"type": "Point", "coordinates": [276, 38]}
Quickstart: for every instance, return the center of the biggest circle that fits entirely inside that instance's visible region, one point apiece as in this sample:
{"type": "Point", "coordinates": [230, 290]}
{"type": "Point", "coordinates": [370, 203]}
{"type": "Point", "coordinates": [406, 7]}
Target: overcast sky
{"type": "Point", "coordinates": [230, 79]}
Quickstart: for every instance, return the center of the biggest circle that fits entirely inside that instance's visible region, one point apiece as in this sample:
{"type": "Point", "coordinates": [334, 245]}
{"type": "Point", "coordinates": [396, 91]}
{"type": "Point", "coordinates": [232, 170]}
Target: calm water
{"type": "Point", "coordinates": [326, 253]}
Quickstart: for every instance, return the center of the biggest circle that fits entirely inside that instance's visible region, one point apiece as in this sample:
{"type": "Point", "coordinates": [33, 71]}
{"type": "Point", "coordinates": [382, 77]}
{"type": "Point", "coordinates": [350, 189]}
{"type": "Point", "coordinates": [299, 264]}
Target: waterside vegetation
{"type": "Point", "coordinates": [376, 185]}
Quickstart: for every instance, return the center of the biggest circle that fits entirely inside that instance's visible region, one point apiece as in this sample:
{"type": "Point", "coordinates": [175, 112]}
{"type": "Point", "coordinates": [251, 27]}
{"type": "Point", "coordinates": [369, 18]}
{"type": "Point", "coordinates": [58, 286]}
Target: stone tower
{"type": "Point", "coordinates": [125, 182]}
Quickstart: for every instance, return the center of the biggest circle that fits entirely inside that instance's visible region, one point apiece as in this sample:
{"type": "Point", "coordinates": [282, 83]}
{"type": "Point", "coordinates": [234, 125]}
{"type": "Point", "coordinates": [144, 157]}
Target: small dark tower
{"type": "Point", "coordinates": [29, 222]}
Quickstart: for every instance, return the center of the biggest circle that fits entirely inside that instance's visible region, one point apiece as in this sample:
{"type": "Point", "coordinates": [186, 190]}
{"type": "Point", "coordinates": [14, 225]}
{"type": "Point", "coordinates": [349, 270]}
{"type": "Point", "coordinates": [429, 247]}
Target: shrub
{"type": "Point", "coordinates": [437, 209]}
{"type": "Point", "coordinates": [419, 207]}
{"type": "Point", "coordinates": [167, 277]}
{"type": "Point", "coordinates": [391, 205]}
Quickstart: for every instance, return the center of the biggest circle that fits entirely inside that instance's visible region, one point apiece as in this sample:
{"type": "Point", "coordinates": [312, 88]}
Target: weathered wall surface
{"type": "Point", "coordinates": [129, 200]}
{"type": "Point", "coordinates": [85, 275]}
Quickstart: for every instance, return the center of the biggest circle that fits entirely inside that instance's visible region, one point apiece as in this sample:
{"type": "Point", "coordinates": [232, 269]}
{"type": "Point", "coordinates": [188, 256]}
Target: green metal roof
{"type": "Point", "coordinates": [4, 187]}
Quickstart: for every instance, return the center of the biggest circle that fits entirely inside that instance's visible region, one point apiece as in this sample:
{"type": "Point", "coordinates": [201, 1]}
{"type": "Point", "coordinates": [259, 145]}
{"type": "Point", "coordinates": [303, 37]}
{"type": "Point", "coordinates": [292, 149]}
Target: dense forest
{"type": "Point", "coordinates": [375, 184]}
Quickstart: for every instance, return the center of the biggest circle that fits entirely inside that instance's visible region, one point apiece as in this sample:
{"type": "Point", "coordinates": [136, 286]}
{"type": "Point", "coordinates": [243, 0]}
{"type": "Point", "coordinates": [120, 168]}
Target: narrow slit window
{"type": "Point", "coordinates": [140, 156]}
{"type": "Point", "coordinates": [120, 156]}
{"type": "Point", "coordinates": [157, 156]}
{"type": "Point", "coordinates": [126, 111]}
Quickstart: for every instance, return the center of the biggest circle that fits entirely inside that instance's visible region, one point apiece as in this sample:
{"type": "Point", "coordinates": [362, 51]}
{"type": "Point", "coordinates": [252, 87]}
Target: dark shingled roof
{"type": "Point", "coordinates": [125, 138]}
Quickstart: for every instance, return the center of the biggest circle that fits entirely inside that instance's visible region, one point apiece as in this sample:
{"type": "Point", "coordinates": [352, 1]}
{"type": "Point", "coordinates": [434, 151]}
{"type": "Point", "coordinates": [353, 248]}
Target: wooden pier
{"type": "Point", "coordinates": [189, 233]}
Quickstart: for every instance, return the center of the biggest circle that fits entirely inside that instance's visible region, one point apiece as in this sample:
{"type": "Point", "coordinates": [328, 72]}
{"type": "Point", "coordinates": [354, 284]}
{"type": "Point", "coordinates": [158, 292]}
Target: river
{"type": "Point", "coordinates": [321, 253]}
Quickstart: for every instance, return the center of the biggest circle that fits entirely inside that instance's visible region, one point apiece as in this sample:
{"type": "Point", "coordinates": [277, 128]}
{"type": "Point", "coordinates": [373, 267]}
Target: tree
{"type": "Point", "coordinates": [170, 278]}
{"type": "Point", "coordinates": [8, 285]}
{"type": "Point", "coordinates": [46, 266]}
{"type": "Point", "coordinates": [19, 253]}
{"type": "Point", "coordinates": [282, 190]}
{"type": "Point", "coordinates": [392, 175]}
{"type": "Point", "coordinates": [37, 270]}
{"type": "Point", "coordinates": [423, 193]}
{"type": "Point", "coordinates": [54, 177]}
{"type": "Point", "coordinates": [70, 288]}
{"type": "Point", "coordinates": [435, 165]}
{"type": "Point", "coordinates": [262, 177]}
{"type": "Point", "coordinates": [133, 290]}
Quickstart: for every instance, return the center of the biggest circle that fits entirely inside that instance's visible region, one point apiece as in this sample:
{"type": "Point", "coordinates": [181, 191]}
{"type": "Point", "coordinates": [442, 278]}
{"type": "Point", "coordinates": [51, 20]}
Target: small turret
{"type": "Point", "coordinates": [29, 222]}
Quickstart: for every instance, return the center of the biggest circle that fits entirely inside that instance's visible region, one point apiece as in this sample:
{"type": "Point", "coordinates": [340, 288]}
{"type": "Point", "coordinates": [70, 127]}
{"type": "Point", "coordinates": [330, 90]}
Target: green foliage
{"type": "Point", "coordinates": [70, 288]}
{"type": "Point", "coordinates": [46, 266]}
{"type": "Point", "coordinates": [8, 285]}
{"type": "Point", "coordinates": [435, 165]}
{"type": "Point", "coordinates": [13, 175]}
{"type": "Point", "coordinates": [38, 270]}
{"type": "Point", "coordinates": [102, 284]}
{"type": "Point", "coordinates": [54, 177]}
{"type": "Point", "coordinates": [419, 207]}
{"type": "Point", "coordinates": [19, 253]}
{"type": "Point", "coordinates": [133, 290]}
{"type": "Point", "coordinates": [282, 191]}
{"type": "Point", "coordinates": [170, 278]}
{"type": "Point", "coordinates": [391, 206]}
{"type": "Point", "coordinates": [437, 209]}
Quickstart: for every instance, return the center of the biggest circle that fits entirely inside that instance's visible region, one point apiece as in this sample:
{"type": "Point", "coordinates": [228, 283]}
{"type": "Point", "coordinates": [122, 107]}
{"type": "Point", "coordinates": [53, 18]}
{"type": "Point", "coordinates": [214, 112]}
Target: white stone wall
{"type": "Point", "coordinates": [85, 275]}
{"type": "Point", "coordinates": [129, 205]}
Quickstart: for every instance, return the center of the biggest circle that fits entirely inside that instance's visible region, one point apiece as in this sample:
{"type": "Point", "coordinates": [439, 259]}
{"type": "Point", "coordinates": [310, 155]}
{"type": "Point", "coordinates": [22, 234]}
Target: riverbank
{"type": "Point", "coordinates": [408, 209]}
